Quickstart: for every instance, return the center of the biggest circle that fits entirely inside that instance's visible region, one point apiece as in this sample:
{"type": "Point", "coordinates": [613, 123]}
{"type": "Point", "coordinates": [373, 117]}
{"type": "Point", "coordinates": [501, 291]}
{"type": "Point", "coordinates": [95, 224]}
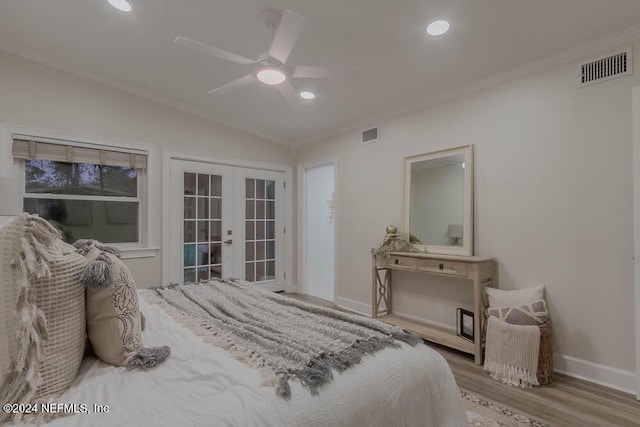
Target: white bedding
{"type": "Point", "coordinates": [202, 385]}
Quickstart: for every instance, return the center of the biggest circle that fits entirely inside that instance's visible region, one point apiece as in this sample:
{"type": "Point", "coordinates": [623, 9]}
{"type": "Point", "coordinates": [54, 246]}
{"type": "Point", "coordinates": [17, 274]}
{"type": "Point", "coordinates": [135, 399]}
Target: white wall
{"type": "Point", "coordinates": [553, 202]}
{"type": "Point", "coordinates": [35, 95]}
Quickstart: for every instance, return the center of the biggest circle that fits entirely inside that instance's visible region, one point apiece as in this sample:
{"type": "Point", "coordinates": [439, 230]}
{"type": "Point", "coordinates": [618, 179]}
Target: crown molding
{"type": "Point", "coordinates": [591, 48]}
{"type": "Point", "coordinates": [59, 65]}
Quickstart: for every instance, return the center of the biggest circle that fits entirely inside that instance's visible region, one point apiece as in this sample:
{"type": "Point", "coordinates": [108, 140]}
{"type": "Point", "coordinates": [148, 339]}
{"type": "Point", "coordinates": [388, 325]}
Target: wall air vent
{"type": "Point", "coordinates": [608, 68]}
{"type": "Point", "coordinates": [370, 135]}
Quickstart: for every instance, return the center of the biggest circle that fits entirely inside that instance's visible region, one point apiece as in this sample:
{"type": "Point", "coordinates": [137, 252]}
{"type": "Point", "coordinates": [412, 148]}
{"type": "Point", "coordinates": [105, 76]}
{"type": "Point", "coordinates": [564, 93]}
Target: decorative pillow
{"type": "Point", "coordinates": [534, 313]}
{"type": "Point", "coordinates": [10, 246]}
{"type": "Point", "coordinates": [114, 324]}
{"type": "Point", "coordinates": [500, 298]}
{"type": "Point", "coordinates": [46, 317]}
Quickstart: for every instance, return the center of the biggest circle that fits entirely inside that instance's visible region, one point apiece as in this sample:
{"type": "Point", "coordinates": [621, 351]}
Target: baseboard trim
{"type": "Point", "coordinates": [617, 379]}
{"type": "Point", "coordinates": [353, 305]}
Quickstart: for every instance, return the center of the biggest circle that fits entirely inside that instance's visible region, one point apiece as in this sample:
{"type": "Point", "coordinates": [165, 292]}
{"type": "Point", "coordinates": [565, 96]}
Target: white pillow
{"type": "Point", "coordinates": [500, 298]}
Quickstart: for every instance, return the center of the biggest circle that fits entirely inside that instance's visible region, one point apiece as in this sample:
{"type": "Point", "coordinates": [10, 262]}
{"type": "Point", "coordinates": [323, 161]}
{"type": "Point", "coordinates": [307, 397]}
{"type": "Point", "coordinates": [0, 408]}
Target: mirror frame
{"type": "Point", "coordinates": [467, 151]}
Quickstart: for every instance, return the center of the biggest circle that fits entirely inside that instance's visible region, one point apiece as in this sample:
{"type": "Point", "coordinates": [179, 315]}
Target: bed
{"type": "Point", "coordinates": [202, 384]}
{"type": "Point", "coordinates": [239, 355]}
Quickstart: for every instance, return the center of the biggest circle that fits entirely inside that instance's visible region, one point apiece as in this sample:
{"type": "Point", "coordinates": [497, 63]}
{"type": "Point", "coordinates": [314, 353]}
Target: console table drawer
{"type": "Point", "coordinates": [444, 267]}
{"type": "Point", "coordinates": [402, 261]}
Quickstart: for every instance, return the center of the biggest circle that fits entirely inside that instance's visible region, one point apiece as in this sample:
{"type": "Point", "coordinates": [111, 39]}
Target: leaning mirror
{"type": "Point", "coordinates": [438, 200]}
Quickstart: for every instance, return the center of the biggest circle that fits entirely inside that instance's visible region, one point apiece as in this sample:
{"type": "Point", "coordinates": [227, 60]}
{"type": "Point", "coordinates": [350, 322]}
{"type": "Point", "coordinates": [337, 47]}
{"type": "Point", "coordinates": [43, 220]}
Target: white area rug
{"type": "Point", "coordinates": [483, 412]}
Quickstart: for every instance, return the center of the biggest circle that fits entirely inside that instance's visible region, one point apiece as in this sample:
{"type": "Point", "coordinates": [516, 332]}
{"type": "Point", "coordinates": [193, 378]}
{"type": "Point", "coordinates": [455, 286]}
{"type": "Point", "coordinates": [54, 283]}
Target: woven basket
{"type": "Point", "coordinates": [545, 357]}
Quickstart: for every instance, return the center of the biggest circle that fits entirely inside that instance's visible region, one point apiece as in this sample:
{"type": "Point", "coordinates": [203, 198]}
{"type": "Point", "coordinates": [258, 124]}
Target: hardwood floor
{"type": "Point", "coordinates": [567, 401]}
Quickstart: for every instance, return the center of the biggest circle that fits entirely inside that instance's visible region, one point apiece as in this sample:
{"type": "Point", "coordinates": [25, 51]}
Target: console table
{"type": "Point", "coordinates": [481, 271]}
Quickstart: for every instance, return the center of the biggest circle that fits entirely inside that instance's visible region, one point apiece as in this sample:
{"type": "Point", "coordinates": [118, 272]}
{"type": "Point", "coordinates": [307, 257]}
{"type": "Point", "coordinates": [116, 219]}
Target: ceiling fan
{"type": "Point", "coordinates": [271, 68]}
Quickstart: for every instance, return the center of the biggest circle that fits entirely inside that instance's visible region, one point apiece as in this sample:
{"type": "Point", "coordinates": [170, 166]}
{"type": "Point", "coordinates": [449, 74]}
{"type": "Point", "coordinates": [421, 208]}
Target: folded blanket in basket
{"type": "Point", "coordinates": [511, 354]}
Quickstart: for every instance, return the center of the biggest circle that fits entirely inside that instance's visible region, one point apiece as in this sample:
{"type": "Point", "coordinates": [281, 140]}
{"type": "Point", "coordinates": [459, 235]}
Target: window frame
{"type": "Point", "coordinates": [140, 199]}
{"type": "Point", "coordinates": [146, 246]}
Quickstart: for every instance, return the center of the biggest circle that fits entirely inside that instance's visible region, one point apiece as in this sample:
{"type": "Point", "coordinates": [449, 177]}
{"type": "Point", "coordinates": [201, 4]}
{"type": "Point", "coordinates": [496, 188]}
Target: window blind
{"type": "Point", "coordinates": [26, 147]}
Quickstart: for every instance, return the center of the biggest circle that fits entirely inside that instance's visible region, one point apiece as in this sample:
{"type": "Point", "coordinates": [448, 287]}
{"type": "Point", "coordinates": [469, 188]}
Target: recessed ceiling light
{"type": "Point", "coordinates": [271, 76]}
{"type": "Point", "coordinates": [438, 27]}
{"type": "Point", "coordinates": [307, 95]}
{"type": "Point", "coordinates": [122, 5]}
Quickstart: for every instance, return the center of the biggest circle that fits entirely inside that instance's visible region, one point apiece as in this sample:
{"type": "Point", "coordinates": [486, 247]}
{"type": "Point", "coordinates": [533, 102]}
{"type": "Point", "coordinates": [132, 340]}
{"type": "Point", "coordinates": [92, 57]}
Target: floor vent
{"type": "Point", "coordinates": [370, 135]}
{"type": "Point", "coordinates": [608, 68]}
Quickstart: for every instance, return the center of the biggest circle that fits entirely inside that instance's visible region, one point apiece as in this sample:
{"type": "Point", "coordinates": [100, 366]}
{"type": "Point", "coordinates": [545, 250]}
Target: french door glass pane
{"type": "Point", "coordinates": [189, 208]}
{"type": "Point", "coordinates": [260, 230]}
{"type": "Point", "coordinates": [203, 185]}
{"type": "Point", "coordinates": [203, 208]}
{"type": "Point", "coordinates": [202, 227]}
{"type": "Point", "coordinates": [216, 185]}
{"type": "Point", "coordinates": [249, 230]}
{"type": "Point", "coordinates": [216, 208]}
{"type": "Point", "coordinates": [189, 255]}
{"type": "Point", "coordinates": [189, 275]}
{"type": "Point", "coordinates": [189, 184]}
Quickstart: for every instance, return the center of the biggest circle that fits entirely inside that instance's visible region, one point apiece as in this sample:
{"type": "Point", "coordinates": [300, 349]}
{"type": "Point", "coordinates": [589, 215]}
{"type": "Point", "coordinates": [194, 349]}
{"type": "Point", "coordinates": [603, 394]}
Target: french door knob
{"type": "Point", "coordinates": [228, 242]}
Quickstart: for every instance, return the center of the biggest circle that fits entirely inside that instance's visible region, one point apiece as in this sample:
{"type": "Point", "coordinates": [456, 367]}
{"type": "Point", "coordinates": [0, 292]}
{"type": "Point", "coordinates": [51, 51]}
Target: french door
{"type": "Point", "coordinates": [226, 221]}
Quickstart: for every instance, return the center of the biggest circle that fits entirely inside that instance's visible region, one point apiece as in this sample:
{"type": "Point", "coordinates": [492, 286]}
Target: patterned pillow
{"type": "Point", "coordinates": [534, 313]}
{"type": "Point", "coordinates": [114, 323]}
{"type": "Point", "coordinates": [47, 328]}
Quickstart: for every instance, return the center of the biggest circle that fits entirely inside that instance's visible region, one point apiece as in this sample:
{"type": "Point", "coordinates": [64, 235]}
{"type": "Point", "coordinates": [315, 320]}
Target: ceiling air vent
{"type": "Point", "coordinates": [370, 135]}
{"type": "Point", "coordinates": [608, 68]}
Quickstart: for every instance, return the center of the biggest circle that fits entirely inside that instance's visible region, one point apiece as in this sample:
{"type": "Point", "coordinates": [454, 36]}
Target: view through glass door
{"type": "Point", "coordinates": [229, 222]}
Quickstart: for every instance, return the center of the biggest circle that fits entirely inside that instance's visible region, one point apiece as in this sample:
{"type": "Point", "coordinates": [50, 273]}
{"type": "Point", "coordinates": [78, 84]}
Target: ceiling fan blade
{"type": "Point", "coordinates": [286, 35]}
{"type": "Point", "coordinates": [312, 72]}
{"type": "Point", "coordinates": [205, 48]}
{"type": "Point", "coordinates": [242, 81]}
{"type": "Point", "coordinates": [288, 91]}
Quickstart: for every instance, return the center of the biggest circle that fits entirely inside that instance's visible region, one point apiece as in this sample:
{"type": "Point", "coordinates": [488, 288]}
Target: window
{"type": "Point", "coordinates": [87, 192]}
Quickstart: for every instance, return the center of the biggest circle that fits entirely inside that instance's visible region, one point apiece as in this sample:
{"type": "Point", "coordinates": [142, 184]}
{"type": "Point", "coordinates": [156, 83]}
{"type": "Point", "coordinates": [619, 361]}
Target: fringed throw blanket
{"type": "Point", "coordinates": [512, 352]}
{"type": "Point", "coordinates": [286, 338]}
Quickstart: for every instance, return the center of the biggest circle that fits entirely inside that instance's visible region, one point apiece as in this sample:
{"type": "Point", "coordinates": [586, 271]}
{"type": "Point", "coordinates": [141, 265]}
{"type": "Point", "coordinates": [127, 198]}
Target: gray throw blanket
{"type": "Point", "coordinates": [287, 338]}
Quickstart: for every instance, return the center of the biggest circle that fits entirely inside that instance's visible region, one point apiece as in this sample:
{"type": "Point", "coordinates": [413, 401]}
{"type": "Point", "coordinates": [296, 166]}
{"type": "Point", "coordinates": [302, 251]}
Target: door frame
{"type": "Point", "coordinates": [302, 183]}
{"type": "Point", "coordinates": [169, 156]}
{"type": "Point", "coordinates": [636, 226]}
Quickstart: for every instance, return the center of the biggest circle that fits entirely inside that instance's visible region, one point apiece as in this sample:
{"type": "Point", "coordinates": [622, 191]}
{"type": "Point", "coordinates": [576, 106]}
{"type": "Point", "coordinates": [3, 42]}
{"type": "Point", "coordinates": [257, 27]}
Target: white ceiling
{"type": "Point", "coordinates": [386, 39]}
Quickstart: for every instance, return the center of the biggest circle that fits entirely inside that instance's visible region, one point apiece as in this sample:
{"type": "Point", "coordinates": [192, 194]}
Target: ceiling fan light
{"type": "Point", "coordinates": [307, 95]}
{"type": "Point", "coordinates": [271, 76]}
{"type": "Point", "coordinates": [122, 5]}
{"type": "Point", "coordinates": [438, 27]}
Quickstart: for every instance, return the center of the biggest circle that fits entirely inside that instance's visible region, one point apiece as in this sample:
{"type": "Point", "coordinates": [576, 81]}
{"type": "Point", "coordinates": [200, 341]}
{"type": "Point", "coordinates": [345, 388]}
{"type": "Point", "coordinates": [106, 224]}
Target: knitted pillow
{"type": "Point", "coordinates": [114, 324]}
{"type": "Point", "coordinates": [534, 313]}
{"type": "Point", "coordinates": [10, 246]}
{"type": "Point", "coordinates": [47, 328]}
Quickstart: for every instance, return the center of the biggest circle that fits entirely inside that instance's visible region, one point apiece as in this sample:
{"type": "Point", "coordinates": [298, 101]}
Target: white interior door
{"type": "Point", "coordinates": [226, 222]}
{"type": "Point", "coordinates": [318, 218]}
